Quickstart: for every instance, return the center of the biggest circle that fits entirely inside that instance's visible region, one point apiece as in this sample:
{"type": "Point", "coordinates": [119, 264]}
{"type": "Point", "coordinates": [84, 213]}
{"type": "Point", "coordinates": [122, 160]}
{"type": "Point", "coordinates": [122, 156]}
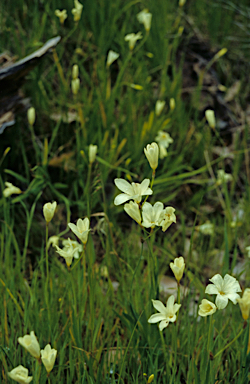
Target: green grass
{"type": "Point", "coordinates": [96, 312]}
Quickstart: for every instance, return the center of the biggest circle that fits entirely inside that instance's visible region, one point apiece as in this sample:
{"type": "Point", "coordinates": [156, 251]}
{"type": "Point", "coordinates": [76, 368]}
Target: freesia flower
{"type": "Point", "coordinates": [48, 356]}
{"type": "Point", "coordinates": [49, 211]}
{"type": "Point", "coordinates": [166, 314]}
{"type": "Point", "coordinates": [72, 244]}
{"type": "Point", "coordinates": [144, 17]}
{"type": "Point", "coordinates": [11, 190]}
{"type": "Point", "coordinates": [81, 229]}
{"type": "Point", "coordinates": [206, 229]}
{"type": "Point", "coordinates": [133, 211]}
{"type": "Point", "coordinates": [20, 374]}
{"type": "Point", "coordinates": [112, 56]}
{"type": "Point", "coordinates": [152, 215]}
{"type": "Point", "coordinates": [132, 39]}
{"type": "Point", "coordinates": [178, 267]}
{"type": "Point", "coordinates": [248, 251]}
{"type": "Point", "coordinates": [133, 191]}
{"type": "Point", "coordinates": [244, 304]}
{"type": "Point", "coordinates": [223, 177]}
{"type": "Point", "coordinates": [168, 218]}
{"type": "Point", "coordinates": [62, 15]}
{"type": "Point", "coordinates": [209, 113]}
{"type": "Point", "coordinates": [152, 154]}
{"type": "Point", "coordinates": [159, 105]}
{"type": "Point", "coordinates": [164, 139]}
{"type": "Point", "coordinates": [225, 289]}
{"type": "Point", "coordinates": [67, 252]}
{"type": "Point", "coordinates": [206, 308]}
{"type": "Point", "coordinates": [30, 343]}
{"type": "Point", "coordinates": [77, 11]}
{"type": "Point", "coordinates": [92, 153]}
{"type": "Point", "coordinates": [31, 114]}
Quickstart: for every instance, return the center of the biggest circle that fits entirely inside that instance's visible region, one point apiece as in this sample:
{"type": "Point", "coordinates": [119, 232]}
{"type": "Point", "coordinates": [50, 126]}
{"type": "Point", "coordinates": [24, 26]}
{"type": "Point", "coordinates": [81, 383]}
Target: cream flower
{"type": "Point", "coordinates": [62, 15]}
{"type": "Point", "coordinates": [244, 304]}
{"type": "Point", "coordinates": [152, 154]}
{"type": "Point", "coordinates": [11, 190]}
{"type": "Point", "coordinates": [163, 139]}
{"type": "Point", "coordinates": [133, 191]}
{"type": "Point", "coordinates": [223, 177]}
{"type": "Point", "coordinates": [20, 374]}
{"type": "Point", "coordinates": [206, 229]}
{"type": "Point", "coordinates": [112, 56]}
{"type": "Point", "coordinates": [72, 244]}
{"type": "Point", "coordinates": [30, 343]}
{"type": "Point", "coordinates": [49, 211]}
{"type": "Point", "coordinates": [132, 39]}
{"type": "Point", "coordinates": [77, 11]}
{"type": "Point", "coordinates": [209, 113]}
{"type": "Point", "coordinates": [166, 314]}
{"type": "Point", "coordinates": [206, 308]}
{"type": "Point", "coordinates": [168, 218]}
{"type": "Point", "coordinates": [159, 105]}
{"type": "Point", "coordinates": [133, 211]}
{"type": "Point", "coordinates": [48, 356]}
{"type": "Point", "coordinates": [31, 114]}
{"type": "Point", "coordinates": [178, 267]}
{"type": "Point", "coordinates": [152, 215]}
{"type": "Point", "coordinates": [67, 252]}
{"type": "Point", "coordinates": [144, 17]}
{"type": "Point", "coordinates": [81, 229]}
{"type": "Point", "coordinates": [224, 289]}
{"type": "Point", "coordinates": [92, 153]}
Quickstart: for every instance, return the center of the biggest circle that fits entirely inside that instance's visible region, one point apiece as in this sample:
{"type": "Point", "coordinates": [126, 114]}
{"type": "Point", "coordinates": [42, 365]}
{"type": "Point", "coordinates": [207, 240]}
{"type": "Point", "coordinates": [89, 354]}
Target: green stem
{"type": "Point", "coordinates": [47, 255]}
{"type": "Point", "coordinates": [228, 345]}
{"type": "Point", "coordinates": [209, 333]}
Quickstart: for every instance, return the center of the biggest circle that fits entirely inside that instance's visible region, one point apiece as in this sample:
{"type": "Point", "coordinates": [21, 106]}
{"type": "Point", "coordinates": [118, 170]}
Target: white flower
{"type": "Point", "coordinates": [77, 11]}
{"type": "Point", "coordinates": [133, 191]}
{"type": "Point", "coordinates": [168, 218]}
{"type": "Point", "coordinates": [61, 14]}
{"type": "Point", "coordinates": [69, 244]}
{"type": "Point", "coordinates": [206, 229]}
{"type": "Point", "coordinates": [152, 154]}
{"type": "Point", "coordinates": [92, 153]}
{"type": "Point", "coordinates": [133, 211]}
{"type": "Point", "coordinates": [81, 229]}
{"type": "Point", "coordinates": [164, 139]}
{"type": "Point", "coordinates": [49, 211]}
{"type": "Point", "coordinates": [11, 190]}
{"type": "Point", "coordinates": [112, 56]}
{"type": "Point", "coordinates": [209, 113]}
{"type": "Point", "coordinates": [166, 314]}
{"type": "Point", "coordinates": [20, 374]}
{"type": "Point", "coordinates": [178, 267]}
{"type": "Point", "coordinates": [152, 215]}
{"type": "Point", "coordinates": [68, 252]}
{"type": "Point", "coordinates": [159, 105]}
{"type": "Point", "coordinates": [206, 308]}
{"type": "Point", "coordinates": [248, 251]}
{"type": "Point", "coordinates": [48, 356]}
{"type": "Point", "coordinates": [163, 151]}
{"type": "Point", "coordinates": [144, 17]}
{"type": "Point", "coordinates": [223, 177]}
{"type": "Point", "coordinates": [132, 39]}
{"type": "Point", "coordinates": [224, 289]}
{"type": "Point", "coordinates": [30, 343]}
{"type": "Point", "coordinates": [244, 304]}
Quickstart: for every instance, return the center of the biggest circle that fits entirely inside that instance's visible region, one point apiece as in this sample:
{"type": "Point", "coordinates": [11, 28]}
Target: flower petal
{"type": "Point", "coordinates": [211, 289]}
{"type": "Point", "coordinates": [163, 324]}
{"type": "Point", "coordinates": [122, 198]}
{"type": "Point", "coordinates": [221, 301]}
{"type": "Point", "coordinates": [124, 186]}
{"type": "Point", "coordinates": [156, 317]}
{"type": "Point", "coordinates": [159, 306]}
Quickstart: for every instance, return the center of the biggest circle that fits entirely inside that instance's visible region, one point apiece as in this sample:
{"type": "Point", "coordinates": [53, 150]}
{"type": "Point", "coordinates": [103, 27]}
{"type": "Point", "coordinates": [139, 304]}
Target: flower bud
{"type": "Point", "coordinates": [178, 267]}
{"type": "Point", "coordinates": [75, 85]}
{"type": "Point", "coordinates": [210, 118]}
{"type": "Point", "coordinates": [152, 154]}
{"type": "Point", "coordinates": [30, 343]}
{"type": "Point", "coordinates": [48, 356]}
{"type": "Point", "coordinates": [244, 304]}
{"type": "Point", "coordinates": [49, 211]}
{"type": "Point", "coordinates": [112, 56]}
{"type": "Point", "coordinates": [31, 114]}
{"type": "Point", "coordinates": [75, 71]}
{"type": "Point", "coordinates": [92, 153]}
{"type": "Point", "coordinates": [132, 209]}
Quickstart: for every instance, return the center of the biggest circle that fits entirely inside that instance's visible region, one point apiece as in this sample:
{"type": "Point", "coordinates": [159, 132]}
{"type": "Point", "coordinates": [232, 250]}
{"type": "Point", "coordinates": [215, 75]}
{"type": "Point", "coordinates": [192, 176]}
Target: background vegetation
{"type": "Point", "coordinates": [96, 314]}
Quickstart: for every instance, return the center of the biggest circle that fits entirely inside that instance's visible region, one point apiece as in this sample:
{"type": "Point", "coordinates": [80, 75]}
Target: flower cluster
{"type": "Point", "coordinates": [145, 214]}
{"type": "Point", "coordinates": [163, 139]}
{"type": "Point", "coordinates": [47, 355]}
{"type": "Point", "coordinates": [225, 289]}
